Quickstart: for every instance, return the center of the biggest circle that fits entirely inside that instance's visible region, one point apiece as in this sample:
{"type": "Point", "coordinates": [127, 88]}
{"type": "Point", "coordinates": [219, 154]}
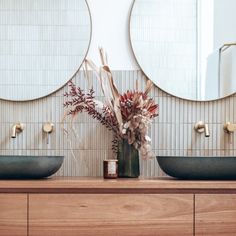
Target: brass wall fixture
{"type": "Point", "coordinates": [201, 127]}
{"type": "Point", "coordinates": [17, 128]}
{"type": "Point", "coordinates": [48, 128]}
{"type": "Point", "coordinates": [225, 46]}
{"type": "Point", "coordinates": [229, 127]}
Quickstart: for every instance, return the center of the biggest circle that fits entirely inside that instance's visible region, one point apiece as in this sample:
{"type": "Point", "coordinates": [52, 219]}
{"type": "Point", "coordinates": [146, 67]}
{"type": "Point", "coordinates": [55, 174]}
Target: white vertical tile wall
{"type": "Point", "coordinates": [172, 132]}
{"type": "Point", "coordinates": [41, 45]}
{"type": "Point", "coordinates": [167, 29]}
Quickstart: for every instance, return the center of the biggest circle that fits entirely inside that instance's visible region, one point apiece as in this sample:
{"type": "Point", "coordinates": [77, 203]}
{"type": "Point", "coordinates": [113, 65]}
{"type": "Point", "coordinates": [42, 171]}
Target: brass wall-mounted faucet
{"type": "Point", "coordinates": [17, 128]}
{"type": "Point", "coordinates": [229, 127]}
{"type": "Point", "coordinates": [201, 127]}
{"type": "Point", "coordinates": [48, 128]}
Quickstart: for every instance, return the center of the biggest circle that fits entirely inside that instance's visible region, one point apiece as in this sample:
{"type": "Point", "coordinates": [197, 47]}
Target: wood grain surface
{"type": "Point", "coordinates": [99, 185]}
{"type": "Point", "coordinates": [215, 215]}
{"type": "Point", "coordinates": [110, 214]}
{"type": "Point", "coordinates": [13, 214]}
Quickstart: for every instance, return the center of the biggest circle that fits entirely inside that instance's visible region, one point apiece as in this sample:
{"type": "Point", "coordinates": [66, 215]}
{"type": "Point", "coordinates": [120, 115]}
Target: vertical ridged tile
{"type": "Point", "coordinates": [172, 132]}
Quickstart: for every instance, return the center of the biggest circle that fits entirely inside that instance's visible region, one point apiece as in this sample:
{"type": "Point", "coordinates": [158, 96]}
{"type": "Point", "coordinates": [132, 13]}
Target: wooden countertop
{"type": "Point", "coordinates": [99, 185]}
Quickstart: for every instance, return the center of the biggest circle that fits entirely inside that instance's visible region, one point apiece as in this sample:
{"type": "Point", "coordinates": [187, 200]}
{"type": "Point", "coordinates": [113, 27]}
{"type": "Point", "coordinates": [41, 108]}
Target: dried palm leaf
{"type": "Point", "coordinates": [112, 87]}
{"type": "Point", "coordinates": [87, 75]}
{"type": "Point", "coordinates": [149, 86]}
{"type": "Point", "coordinates": [137, 85]}
{"type": "Point", "coordinates": [103, 83]}
{"type": "Point", "coordinates": [103, 57]}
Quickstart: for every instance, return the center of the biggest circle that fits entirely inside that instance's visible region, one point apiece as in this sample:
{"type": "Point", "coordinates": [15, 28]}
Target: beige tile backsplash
{"type": "Point", "coordinates": [172, 132]}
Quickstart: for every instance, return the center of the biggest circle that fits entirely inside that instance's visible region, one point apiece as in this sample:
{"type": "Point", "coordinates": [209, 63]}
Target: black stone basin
{"type": "Point", "coordinates": [198, 167]}
{"type": "Point", "coordinates": [29, 167]}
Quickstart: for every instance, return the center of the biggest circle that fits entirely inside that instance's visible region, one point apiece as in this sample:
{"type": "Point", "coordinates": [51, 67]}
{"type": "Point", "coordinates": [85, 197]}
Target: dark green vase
{"type": "Point", "coordinates": [128, 160]}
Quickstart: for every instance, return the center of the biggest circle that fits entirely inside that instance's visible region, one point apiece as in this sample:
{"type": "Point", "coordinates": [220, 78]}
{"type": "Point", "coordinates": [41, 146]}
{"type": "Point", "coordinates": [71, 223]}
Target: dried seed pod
{"type": "Point", "coordinates": [141, 126]}
{"type": "Point", "coordinates": [147, 138]}
{"type": "Point", "coordinates": [126, 125]}
{"type": "Point", "coordinates": [124, 131]}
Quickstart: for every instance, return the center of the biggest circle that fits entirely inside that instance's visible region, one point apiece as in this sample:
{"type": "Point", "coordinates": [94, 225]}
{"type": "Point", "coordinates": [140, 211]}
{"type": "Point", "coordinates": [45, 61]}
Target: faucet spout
{"type": "Point", "coordinates": [13, 131]}
{"type": "Point", "coordinates": [201, 127]}
{"type": "Point", "coordinates": [16, 128]}
{"type": "Point", "coordinates": [207, 132]}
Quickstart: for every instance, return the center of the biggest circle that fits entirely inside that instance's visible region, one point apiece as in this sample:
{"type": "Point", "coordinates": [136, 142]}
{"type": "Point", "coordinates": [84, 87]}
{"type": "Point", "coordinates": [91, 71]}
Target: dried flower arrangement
{"type": "Point", "coordinates": [128, 116]}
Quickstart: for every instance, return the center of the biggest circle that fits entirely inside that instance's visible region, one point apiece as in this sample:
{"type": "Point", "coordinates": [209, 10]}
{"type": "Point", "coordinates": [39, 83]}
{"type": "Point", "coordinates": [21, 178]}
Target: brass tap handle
{"type": "Point", "coordinates": [17, 128]}
{"type": "Point", "coordinates": [48, 128]}
{"type": "Point", "coordinates": [229, 127]}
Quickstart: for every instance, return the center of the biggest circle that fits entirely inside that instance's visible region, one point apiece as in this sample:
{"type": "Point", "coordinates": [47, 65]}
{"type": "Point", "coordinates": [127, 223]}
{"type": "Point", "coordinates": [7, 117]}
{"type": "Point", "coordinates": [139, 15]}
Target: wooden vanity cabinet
{"type": "Point", "coordinates": [110, 214]}
{"type": "Point", "coordinates": [215, 214]}
{"type": "Point", "coordinates": [122, 207]}
{"type": "Point", "coordinates": [13, 214]}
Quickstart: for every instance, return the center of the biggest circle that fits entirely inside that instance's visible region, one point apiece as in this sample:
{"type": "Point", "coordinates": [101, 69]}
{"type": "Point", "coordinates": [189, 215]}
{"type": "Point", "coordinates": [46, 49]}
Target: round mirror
{"type": "Point", "coordinates": [186, 47]}
{"type": "Point", "coordinates": [42, 45]}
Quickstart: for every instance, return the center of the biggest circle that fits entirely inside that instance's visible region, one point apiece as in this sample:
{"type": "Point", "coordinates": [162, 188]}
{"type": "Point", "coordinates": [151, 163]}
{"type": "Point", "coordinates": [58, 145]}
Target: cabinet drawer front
{"type": "Point", "coordinates": [13, 214]}
{"type": "Point", "coordinates": [215, 214]}
{"type": "Point", "coordinates": [110, 214]}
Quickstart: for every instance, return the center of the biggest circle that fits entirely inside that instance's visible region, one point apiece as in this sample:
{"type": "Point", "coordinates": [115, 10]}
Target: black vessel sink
{"type": "Point", "coordinates": [198, 167]}
{"type": "Point", "coordinates": [29, 167]}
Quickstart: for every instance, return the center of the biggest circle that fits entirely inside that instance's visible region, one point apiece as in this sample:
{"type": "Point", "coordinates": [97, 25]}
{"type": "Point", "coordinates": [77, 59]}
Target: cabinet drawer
{"type": "Point", "coordinates": [215, 214]}
{"type": "Point", "coordinates": [110, 214]}
{"type": "Point", "coordinates": [13, 214]}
